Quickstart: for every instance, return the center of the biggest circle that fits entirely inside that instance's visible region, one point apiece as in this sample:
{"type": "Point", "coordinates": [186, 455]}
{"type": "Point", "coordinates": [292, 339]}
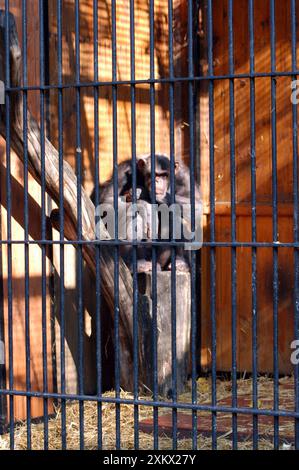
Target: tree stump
{"type": "Point", "coordinates": [164, 330]}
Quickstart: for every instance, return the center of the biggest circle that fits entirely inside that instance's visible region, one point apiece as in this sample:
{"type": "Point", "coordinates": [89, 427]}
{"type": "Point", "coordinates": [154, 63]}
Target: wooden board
{"type": "Point", "coordinates": [222, 178]}
{"type": "Point", "coordinates": [35, 255]}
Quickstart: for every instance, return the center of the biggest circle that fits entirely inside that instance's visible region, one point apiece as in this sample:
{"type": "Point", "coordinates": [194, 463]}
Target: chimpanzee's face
{"type": "Point", "coordinates": [161, 184]}
{"type": "Point", "coordinates": [162, 175]}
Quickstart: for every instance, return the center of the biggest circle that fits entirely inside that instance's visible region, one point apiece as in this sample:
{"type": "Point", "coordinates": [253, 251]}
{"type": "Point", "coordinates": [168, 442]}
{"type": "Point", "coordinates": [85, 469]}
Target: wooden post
{"type": "Point", "coordinates": [164, 330]}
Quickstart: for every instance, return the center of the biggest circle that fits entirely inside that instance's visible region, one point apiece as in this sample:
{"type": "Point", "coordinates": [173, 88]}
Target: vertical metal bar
{"type": "Point", "coordinates": [46, 47]}
{"type": "Point", "coordinates": [253, 226]}
{"type": "Point", "coordinates": [134, 249]}
{"type": "Point", "coordinates": [274, 222]}
{"type": "Point", "coordinates": [61, 225]}
{"type": "Point", "coordinates": [212, 224]}
{"type": "Point", "coordinates": [97, 247]}
{"type": "Point", "coordinates": [192, 200]}
{"type": "Point", "coordinates": [79, 225]}
{"type": "Point", "coordinates": [116, 249]}
{"type": "Point", "coordinates": [43, 219]}
{"type": "Point", "coordinates": [3, 363]}
{"type": "Point", "coordinates": [154, 249]}
{"type": "Point", "coordinates": [173, 249]}
{"type": "Point", "coordinates": [296, 214]}
{"type": "Point", "coordinates": [26, 221]}
{"type": "Point", "coordinates": [233, 219]}
{"type": "Point", "coordinates": [9, 231]}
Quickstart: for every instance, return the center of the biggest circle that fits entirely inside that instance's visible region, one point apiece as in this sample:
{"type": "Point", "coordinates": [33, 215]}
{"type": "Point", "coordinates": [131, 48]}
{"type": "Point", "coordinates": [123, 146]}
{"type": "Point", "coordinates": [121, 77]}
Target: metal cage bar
{"type": "Point", "coordinates": [233, 219]}
{"type": "Point", "coordinates": [275, 220]}
{"type": "Point", "coordinates": [115, 203]}
{"type": "Point", "coordinates": [43, 222]}
{"type": "Point", "coordinates": [194, 330]}
{"type": "Point", "coordinates": [98, 321]}
{"type": "Point", "coordinates": [253, 226]}
{"type": "Point", "coordinates": [212, 224]}
{"type": "Point", "coordinates": [9, 230]}
{"type": "Point", "coordinates": [61, 228]}
{"type": "Point", "coordinates": [295, 216]}
{"type": "Point", "coordinates": [134, 249]}
{"type": "Point", "coordinates": [154, 249]}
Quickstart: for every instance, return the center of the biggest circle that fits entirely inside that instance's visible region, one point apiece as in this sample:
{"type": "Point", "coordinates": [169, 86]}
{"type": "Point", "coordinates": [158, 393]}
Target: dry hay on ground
{"type": "Point", "coordinates": [224, 391]}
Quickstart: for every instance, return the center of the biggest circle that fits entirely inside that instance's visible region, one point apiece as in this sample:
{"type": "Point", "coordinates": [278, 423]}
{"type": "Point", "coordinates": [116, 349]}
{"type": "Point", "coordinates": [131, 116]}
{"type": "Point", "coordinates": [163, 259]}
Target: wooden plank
{"type": "Point", "coordinates": [244, 301]}
{"type": "Point", "coordinates": [264, 208]}
{"type": "Point", "coordinates": [262, 102]}
{"type": "Point", "coordinates": [224, 209]}
{"type": "Point", "coordinates": [35, 257]}
{"type": "Point", "coordinates": [223, 297]}
{"type": "Point", "coordinates": [205, 307]}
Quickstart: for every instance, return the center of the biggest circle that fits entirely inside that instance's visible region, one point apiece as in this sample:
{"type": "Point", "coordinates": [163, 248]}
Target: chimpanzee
{"type": "Point", "coordinates": [144, 202]}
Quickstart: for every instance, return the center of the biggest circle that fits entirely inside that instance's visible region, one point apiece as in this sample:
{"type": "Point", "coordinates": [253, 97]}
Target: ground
{"type": "Point", "coordinates": [224, 434]}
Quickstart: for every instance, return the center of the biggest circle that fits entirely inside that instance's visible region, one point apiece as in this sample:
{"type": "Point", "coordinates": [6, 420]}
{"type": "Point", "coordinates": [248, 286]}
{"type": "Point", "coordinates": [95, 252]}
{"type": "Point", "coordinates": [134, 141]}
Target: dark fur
{"type": "Point", "coordinates": [182, 196]}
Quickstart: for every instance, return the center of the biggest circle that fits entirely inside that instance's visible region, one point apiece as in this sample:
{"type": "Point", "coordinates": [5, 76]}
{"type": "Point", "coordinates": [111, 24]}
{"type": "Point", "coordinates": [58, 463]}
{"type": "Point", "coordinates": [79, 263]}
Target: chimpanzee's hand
{"type": "Point", "coordinates": [145, 266]}
{"type": "Point", "coordinates": [181, 265]}
{"type": "Point", "coordinates": [128, 195]}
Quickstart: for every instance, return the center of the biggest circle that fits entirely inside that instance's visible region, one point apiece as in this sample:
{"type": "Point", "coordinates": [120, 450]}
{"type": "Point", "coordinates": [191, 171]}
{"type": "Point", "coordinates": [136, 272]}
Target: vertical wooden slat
{"type": "Point", "coordinates": [35, 260]}
{"type": "Point", "coordinates": [264, 187]}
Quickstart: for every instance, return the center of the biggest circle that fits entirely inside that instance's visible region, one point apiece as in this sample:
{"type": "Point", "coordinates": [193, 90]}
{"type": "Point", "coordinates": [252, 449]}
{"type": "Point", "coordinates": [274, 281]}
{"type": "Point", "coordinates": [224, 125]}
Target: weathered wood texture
{"type": "Point", "coordinates": [222, 178]}
{"type": "Point", "coordinates": [17, 251]}
{"type": "Point", "coordinates": [70, 201]}
{"type": "Point", "coordinates": [164, 331]}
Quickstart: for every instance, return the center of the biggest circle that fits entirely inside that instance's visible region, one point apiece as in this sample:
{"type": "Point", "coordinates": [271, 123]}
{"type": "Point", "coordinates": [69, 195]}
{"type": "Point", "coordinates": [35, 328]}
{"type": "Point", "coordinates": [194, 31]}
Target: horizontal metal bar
{"type": "Point", "coordinates": [161, 404]}
{"type": "Point", "coordinates": [195, 245]}
{"type": "Point", "coordinates": [150, 81]}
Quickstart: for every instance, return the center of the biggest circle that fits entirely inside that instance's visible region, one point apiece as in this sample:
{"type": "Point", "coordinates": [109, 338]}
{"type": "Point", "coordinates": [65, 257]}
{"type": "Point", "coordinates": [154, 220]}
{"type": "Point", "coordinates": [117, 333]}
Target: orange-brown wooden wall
{"type": "Point", "coordinates": [162, 126]}
{"type": "Point", "coordinates": [263, 109]}
{"type": "Point", "coordinates": [17, 250]}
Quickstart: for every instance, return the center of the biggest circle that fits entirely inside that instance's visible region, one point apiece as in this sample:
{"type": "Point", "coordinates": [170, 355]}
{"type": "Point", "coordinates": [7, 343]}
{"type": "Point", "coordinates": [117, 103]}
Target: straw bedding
{"type": "Point", "coordinates": [224, 391]}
